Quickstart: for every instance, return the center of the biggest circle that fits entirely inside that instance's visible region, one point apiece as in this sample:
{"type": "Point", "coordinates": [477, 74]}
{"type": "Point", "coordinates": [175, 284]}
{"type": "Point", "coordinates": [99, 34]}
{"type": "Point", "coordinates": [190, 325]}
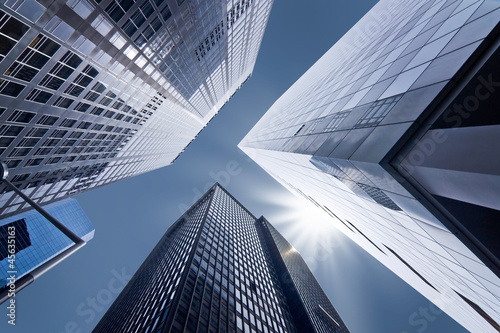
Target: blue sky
{"type": "Point", "coordinates": [130, 216]}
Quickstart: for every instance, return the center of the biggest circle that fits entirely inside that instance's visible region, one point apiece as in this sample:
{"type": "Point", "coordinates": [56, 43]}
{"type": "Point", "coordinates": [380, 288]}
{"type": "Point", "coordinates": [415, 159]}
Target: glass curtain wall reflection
{"type": "Point", "coordinates": [36, 240]}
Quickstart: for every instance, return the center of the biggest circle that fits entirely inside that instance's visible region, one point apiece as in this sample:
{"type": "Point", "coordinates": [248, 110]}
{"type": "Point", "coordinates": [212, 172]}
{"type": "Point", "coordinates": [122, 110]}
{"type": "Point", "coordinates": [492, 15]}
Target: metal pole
{"type": "Point", "coordinates": [71, 235]}
{"type": "Point", "coordinates": [27, 279]}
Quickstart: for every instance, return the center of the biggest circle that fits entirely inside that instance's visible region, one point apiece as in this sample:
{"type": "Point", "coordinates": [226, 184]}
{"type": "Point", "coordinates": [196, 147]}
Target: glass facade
{"type": "Point", "coordinates": [390, 133]}
{"type": "Point", "coordinates": [94, 91]}
{"type": "Point", "coordinates": [215, 271]}
{"type": "Point", "coordinates": [310, 307]}
{"type": "Point", "coordinates": [37, 240]}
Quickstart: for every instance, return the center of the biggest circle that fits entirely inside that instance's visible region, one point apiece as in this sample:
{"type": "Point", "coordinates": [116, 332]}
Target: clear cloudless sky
{"type": "Point", "coordinates": [130, 216]}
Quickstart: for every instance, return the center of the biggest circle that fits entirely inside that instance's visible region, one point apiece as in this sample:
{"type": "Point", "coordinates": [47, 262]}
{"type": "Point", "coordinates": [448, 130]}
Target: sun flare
{"type": "Point", "coordinates": [303, 224]}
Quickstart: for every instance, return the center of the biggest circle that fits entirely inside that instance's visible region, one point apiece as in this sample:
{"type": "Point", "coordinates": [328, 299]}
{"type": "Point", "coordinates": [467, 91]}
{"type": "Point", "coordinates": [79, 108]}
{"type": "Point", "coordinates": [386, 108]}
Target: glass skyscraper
{"type": "Point", "coordinates": [94, 91]}
{"type": "Point", "coordinates": [220, 269]}
{"type": "Point", "coordinates": [393, 133]}
{"type": "Point", "coordinates": [37, 240]}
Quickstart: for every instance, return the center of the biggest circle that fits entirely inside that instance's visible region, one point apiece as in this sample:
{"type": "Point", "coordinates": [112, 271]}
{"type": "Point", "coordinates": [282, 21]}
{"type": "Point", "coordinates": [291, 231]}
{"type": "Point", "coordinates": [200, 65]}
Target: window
{"type": "Point", "coordinates": [6, 130]}
{"type": "Point", "coordinates": [148, 32]}
{"type": "Point", "coordinates": [74, 90]}
{"type": "Point", "coordinates": [109, 114]}
{"type": "Point", "coordinates": [59, 28]}
{"type": "Point", "coordinates": [87, 75]}
{"type": "Point", "coordinates": [22, 237]}
{"type": "Point", "coordinates": [336, 121]}
{"type": "Point", "coordinates": [118, 8]}
{"type": "Point", "coordinates": [34, 162]}
{"type": "Point", "coordinates": [99, 87]}
{"type": "Point", "coordinates": [166, 13]}
{"type": "Point", "coordinates": [33, 58]}
{"type": "Point", "coordinates": [54, 160]}
{"type": "Point", "coordinates": [68, 122]}
{"type": "Point", "coordinates": [63, 102]}
{"type": "Point", "coordinates": [61, 71]}
{"type": "Point", "coordinates": [51, 82]}
{"type": "Point", "coordinates": [48, 120]}
{"type": "Point", "coordinates": [43, 151]}
{"type": "Point", "coordinates": [97, 111]}
{"type": "Point", "coordinates": [20, 178]}
{"type": "Point", "coordinates": [82, 107]}
{"type": "Point", "coordinates": [84, 45]}
{"type": "Point", "coordinates": [102, 25]}
{"type": "Point", "coordinates": [5, 142]}
{"type": "Point", "coordinates": [81, 7]}
{"type": "Point", "coordinates": [210, 40]}
{"type": "Point", "coordinates": [92, 96]}
{"type": "Point", "coordinates": [30, 9]}
{"type": "Point", "coordinates": [84, 125]}
{"type": "Point", "coordinates": [11, 30]}
{"type": "Point", "coordinates": [379, 196]}
{"type": "Point", "coordinates": [10, 88]}
{"type": "Point", "coordinates": [300, 129]}
{"type": "Point", "coordinates": [13, 163]}
{"type": "Point", "coordinates": [21, 116]}
{"type": "Point", "coordinates": [39, 96]}
{"type": "Point", "coordinates": [76, 135]}
{"type": "Point", "coordinates": [58, 134]}
{"type": "Point", "coordinates": [377, 111]}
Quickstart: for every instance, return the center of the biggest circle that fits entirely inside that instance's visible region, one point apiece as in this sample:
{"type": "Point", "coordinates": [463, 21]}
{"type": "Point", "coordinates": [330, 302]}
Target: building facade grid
{"type": "Point", "coordinates": [211, 272]}
{"type": "Point", "coordinates": [92, 92]}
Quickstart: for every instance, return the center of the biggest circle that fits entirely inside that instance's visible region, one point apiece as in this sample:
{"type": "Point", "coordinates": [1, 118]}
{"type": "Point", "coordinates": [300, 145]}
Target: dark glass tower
{"type": "Point", "coordinates": [220, 269]}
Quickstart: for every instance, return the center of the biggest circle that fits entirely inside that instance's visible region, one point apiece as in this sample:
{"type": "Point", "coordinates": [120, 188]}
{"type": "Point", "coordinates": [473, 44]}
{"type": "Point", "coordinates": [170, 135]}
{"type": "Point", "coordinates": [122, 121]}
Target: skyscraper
{"type": "Point", "coordinates": [391, 133]}
{"type": "Point", "coordinates": [36, 240]}
{"type": "Point", "coordinates": [94, 91]}
{"type": "Point", "coordinates": [220, 269]}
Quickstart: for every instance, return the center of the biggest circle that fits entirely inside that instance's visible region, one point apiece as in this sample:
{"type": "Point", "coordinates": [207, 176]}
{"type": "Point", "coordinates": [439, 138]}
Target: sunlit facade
{"type": "Point", "coordinates": [392, 133]}
{"type": "Point", "coordinates": [220, 269]}
{"type": "Point", "coordinates": [36, 240]}
{"type": "Point", "coordinates": [94, 91]}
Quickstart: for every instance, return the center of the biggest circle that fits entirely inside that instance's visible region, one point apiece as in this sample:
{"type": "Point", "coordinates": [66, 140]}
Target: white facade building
{"type": "Point", "coordinates": [94, 91]}
{"type": "Point", "coordinates": [394, 133]}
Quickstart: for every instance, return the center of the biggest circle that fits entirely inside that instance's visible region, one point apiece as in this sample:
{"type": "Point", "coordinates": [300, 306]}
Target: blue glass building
{"type": "Point", "coordinates": [37, 240]}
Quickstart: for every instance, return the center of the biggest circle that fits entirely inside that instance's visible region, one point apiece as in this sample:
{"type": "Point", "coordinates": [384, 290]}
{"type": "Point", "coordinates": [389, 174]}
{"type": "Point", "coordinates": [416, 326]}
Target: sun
{"type": "Point", "coordinates": [308, 228]}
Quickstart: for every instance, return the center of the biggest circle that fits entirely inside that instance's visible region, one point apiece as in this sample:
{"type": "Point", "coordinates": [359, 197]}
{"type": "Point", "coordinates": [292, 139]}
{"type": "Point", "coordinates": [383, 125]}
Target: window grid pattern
{"type": "Point", "coordinates": [379, 196]}
{"type": "Point", "coordinates": [377, 112]}
{"type": "Point", "coordinates": [211, 272]}
{"type": "Point", "coordinates": [150, 104]}
{"type": "Point", "coordinates": [19, 231]}
{"type": "Point", "coordinates": [145, 303]}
